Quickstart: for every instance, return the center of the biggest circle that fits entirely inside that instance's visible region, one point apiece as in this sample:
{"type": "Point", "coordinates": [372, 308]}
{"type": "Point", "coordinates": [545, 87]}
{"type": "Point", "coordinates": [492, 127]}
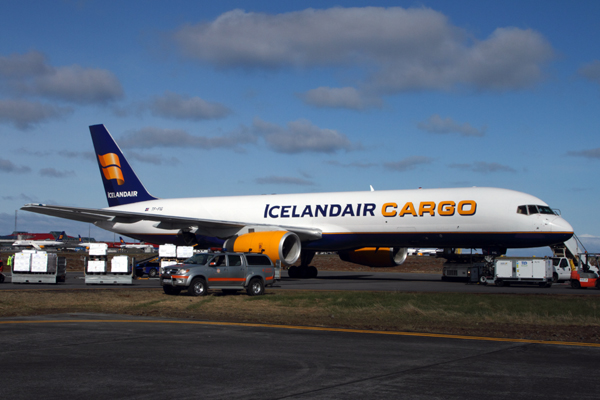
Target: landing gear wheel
{"type": "Point", "coordinates": [255, 288]}
{"type": "Point", "coordinates": [293, 272]}
{"type": "Point", "coordinates": [198, 287]}
{"type": "Point", "coordinates": [170, 290]}
{"type": "Point", "coordinates": [311, 272]}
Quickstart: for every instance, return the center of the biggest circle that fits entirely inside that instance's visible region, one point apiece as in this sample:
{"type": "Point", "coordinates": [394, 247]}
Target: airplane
{"type": "Point", "coordinates": [87, 243]}
{"type": "Point", "coordinates": [41, 244]}
{"type": "Point", "coordinates": [143, 246]}
{"type": "Point", "coordinates": [373, 228]}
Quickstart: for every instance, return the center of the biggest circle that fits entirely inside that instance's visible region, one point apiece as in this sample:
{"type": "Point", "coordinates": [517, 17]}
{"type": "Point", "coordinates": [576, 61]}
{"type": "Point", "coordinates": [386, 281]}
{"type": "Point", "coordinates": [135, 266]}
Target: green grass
{"type": "Point", "coordinates": [549, 317]}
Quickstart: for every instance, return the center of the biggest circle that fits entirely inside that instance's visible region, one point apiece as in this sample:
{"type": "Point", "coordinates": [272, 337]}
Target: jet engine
{"type": "Point", "coordinates": [277, 245]}
{"type": "Point", "coordinates": [375, 256]}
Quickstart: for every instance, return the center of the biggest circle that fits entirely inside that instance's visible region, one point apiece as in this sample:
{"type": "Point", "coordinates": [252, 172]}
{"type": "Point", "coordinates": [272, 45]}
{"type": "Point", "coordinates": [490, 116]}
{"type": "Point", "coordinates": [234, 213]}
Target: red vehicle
{"type": "Point", "coordinates": [585, 276]}
{"type": "Point", "coordinates": [584, 279]}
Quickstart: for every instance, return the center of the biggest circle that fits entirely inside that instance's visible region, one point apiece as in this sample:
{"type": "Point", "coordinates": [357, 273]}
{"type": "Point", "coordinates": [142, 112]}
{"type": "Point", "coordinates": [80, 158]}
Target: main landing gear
{"type": "Point", "coordinates": [304, 271]}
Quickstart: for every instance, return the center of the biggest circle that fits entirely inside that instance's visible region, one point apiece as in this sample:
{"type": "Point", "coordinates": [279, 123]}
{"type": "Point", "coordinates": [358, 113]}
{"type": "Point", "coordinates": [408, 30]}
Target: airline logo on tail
{"type": "Point", "coordinates": [111, 167]}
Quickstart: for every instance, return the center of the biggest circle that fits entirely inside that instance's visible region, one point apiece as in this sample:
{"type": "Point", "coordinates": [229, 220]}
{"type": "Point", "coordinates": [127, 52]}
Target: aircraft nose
{"type": "Point", "coordinates": [559, 224]}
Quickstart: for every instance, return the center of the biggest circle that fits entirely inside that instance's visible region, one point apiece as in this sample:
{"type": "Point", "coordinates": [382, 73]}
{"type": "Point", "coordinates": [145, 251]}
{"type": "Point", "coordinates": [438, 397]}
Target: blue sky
{"type": "Point", "coordinates": [224, 98]}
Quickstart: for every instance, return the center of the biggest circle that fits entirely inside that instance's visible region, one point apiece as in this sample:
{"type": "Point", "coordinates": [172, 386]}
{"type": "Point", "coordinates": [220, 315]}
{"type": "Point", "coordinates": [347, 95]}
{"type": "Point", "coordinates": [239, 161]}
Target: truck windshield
{"type": "Point", "coordinates": [199, 259]}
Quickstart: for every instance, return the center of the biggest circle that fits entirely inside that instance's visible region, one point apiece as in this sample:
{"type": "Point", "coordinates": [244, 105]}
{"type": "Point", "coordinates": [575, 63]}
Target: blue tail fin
{"type": "Point", "coordinates": [121, 184]}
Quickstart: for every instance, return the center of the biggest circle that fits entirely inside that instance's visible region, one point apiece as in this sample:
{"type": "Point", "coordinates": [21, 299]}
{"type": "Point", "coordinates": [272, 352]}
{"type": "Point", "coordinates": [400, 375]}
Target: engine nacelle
{"type": "Point", "coordinates": [277, 245]}
{"type": "Point", "coordinates": [375, 256]}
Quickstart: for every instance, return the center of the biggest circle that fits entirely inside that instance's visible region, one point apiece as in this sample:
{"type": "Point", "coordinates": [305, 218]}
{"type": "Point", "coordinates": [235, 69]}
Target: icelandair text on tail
{"type": "Point", "coordinates": [114, 195]}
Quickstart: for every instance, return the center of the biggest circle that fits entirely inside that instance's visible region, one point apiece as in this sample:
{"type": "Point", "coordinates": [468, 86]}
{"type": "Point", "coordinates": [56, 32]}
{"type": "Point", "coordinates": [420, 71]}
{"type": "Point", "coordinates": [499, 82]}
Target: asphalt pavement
{"type": "Point", "coordinates": [118, 357]}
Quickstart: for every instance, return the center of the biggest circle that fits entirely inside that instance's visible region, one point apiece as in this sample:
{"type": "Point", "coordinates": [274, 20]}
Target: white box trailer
{"type": "Point", "coordinates": [119, 271]}
{"type": "Point", "coordinates": [509, 270]}
{"type": "Point", "coordinates": [169, 254]}
{"type": "Point", "coordinates": [561, 269]}
{"type": "Point", "coordinates": [32, 266]}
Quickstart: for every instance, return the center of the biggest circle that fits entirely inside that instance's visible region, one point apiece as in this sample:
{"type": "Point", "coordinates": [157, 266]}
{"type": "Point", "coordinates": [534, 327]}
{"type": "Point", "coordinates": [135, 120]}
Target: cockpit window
{"type": "Point", "coordinates": [534, 209]}
{"type": "Point", "coordinates": [545, 210]}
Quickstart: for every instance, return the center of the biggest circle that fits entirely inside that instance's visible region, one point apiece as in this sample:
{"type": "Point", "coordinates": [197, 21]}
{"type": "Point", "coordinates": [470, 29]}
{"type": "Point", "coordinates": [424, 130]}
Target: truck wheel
{"type": "Point", "coordinates": [170, 290]}
{"type": "Point", "coordinates": [152, 273]}
{"type": "Point", "coordinates": [499, 282]}
{"type": "Point", "coordinates": [255, 288]}
{"type": "Point", "coordinates": [483, 280]}
{"type": "Point", "coordinates": [2, 278]}
{"type": "Point", "coordinates": [575, 284]}
{"type": "Point", "coordinates": [198, 287]}
{"type": "Point", "coordinates": [555, 277]}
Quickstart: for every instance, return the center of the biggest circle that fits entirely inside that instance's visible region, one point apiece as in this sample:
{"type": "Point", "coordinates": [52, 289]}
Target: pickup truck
{"type": "Point", "coordinates": [229, 272]}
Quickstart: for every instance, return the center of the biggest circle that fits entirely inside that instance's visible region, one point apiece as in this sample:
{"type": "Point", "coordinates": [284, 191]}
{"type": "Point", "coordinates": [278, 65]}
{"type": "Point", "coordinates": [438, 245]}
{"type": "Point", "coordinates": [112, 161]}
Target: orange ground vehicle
{"type": "Point", "coordinates": [585, 275]}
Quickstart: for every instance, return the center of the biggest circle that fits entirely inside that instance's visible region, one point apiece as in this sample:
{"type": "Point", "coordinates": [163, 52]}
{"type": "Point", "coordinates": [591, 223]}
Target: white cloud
{"type": "Point", "coordinates": [23, 65]}
{"type": "Point", "coordinates": [156, 137]}
{"type": "Point", "coordinates": [590, 71]}
{"type": "Point", "coordinates": [483, 167]}
{"type": "Point", "coordinates": [354, 164]}
{"type": "Point", "coordinates": [346, 97]}
{"type": "Point", "coordinates": [21, 197]}
{"type": "Point", "coordinates": [79, 85]}
{"type": "Point", "coordinates": [399, 49]}
{"type": "Point", "coordinates": [155, 159]}
{"type": "Point", "coordinates": [54, 173]}
{"type": "Point", "coordinates": [590, 153]}
{"type": "Point", "coordinates": [10, 167]}
{"type": "Point", "coordinates": [173, 105]}
{"type": "Point", "coordinates": [435, 124]}
{"type": "Point", "coordinates": [31, 74]}
{"type": "Point", "coordinates": [283, 180]}
{"type": "Point", "coordinates": [302, 136]}
{"type": "Point", "coordinates": [407, 164]}
{"type": "Point", "coordinates": [591, 242]}
{"type": "Point", "coordinates": [25, 114]}
{"type": "Point", "coordinates": [23, 76]}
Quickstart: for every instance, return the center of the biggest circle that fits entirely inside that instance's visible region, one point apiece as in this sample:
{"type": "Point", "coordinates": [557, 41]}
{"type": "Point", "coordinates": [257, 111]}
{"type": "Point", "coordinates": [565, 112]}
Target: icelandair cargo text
{"type": "Point", "coordinates": [443, 208]}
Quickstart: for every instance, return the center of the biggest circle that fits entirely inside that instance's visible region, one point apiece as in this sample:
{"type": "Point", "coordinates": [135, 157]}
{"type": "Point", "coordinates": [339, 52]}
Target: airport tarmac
{"type": "Point", "coordinates": [340, 280]}
{"type": "Point", "coordinates": [108, 356]}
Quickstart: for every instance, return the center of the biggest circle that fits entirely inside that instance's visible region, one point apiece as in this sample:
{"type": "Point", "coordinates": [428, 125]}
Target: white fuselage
{"type": "Point", "coordinates": [460, 217]}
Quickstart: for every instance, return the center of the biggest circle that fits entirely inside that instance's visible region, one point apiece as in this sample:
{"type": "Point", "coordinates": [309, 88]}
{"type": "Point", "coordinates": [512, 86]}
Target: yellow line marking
{"type": "Point", "coordinates": [310, 328]}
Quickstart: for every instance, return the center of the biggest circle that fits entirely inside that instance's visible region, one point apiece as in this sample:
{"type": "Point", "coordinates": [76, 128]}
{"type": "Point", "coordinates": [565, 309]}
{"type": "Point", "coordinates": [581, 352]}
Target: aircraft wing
{"type": "Point", "coordinates": [221, 229]}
